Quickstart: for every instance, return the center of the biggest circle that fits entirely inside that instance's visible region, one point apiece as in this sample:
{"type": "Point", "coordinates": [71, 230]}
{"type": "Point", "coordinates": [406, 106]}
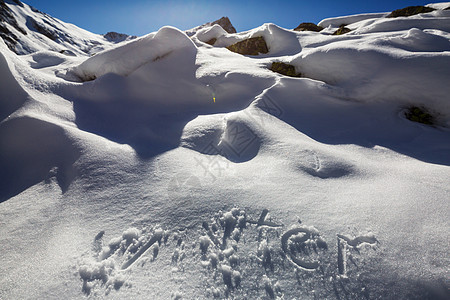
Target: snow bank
{"type": "Point", "coordinates": [416, 40]}
{"type": "Point", "coordinates": [434, 20]}
{"type": "Point", "coordinates": [11, 93]}
{"type": "Point", "coordinates": [208, 33]}
{"type": "Point", "coordinates": [441, 5]}
{"type": "Point", "coordinates": [377, 22]}
{"type": "Point", "coordinates": [49, 153]}
{"type": "Point", "coordinates": [369, 72]}
{"type": "Point", "coordinates": [318, 110]}
{"type": "Point", "coordinates": [126, 59]}
{"type": "Point", "coordinates": [338, 21]}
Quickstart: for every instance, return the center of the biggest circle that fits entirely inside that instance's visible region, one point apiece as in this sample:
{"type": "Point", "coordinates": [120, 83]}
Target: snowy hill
{"type": "Point", "coordinates": [26, 30]}
{"type": "Point", "coordinates": [209, 164]}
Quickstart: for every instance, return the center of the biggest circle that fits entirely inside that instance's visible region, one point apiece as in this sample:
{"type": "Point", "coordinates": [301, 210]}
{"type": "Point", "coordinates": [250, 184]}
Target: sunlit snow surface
{"type": "Point", "coordinates": [166, 168]}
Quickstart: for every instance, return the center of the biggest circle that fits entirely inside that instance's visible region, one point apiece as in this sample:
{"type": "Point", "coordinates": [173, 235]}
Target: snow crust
{"type": "Point", "coordinates": [167, 168]}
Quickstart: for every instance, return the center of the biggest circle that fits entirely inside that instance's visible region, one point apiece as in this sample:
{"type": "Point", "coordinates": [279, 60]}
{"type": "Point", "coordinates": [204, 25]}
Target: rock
{"type": "Point", "coordinates": [225, 23]}
{"type": "Point", "coordinates": [409, 11]}
{"type": "Point", "coordinates": [116, 37]}
{"type": "Point", "coordinates": [42, 29]}
{"type": "Point", "coordinates": [67, 52]}
{"type": "Point", "coordinates": [419, 115]}
{"type": "Point", "coordinates": [18, 3]}
{"type": "Point", "coordinates": [8, 37]}
{"type": "Point", "coordinates": [252, 46]}
{"type": "Point", "coordinates": [284, 69]}
{"type": "Point", "coordinates": [342, 30]}
{"type": "Point", "coordinates": [308, 27]}
{"type": "Point", "coordinates": [6, 16]}
{"type": "Point", "coordinates": [212, 41]}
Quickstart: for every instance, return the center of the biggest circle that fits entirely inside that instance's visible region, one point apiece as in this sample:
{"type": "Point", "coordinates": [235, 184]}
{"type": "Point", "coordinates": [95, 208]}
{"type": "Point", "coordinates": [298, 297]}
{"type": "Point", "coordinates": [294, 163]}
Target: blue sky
{"type": "Point", "coordinates": [139, 17]}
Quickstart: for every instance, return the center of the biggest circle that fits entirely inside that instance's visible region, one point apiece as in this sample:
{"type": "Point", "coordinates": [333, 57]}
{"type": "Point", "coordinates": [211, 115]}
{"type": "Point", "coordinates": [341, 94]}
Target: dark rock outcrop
{"type": "Point", "coordinates": [8, 37]}
{"type": "Point", "coordinates": [18, 2]}
{"type": "Point", "coordinates": [212, 41]}
{"type": "Point", "coordinates": [284, 69]}
{"type": "Point", "coordinates": [342, 30]}
{"type": "Point", "coordinates": [308, 27]}
{"type": "Point", "coordinates": [419, 115]}
{"type": "Point", "coordinates": [118, 37]}
{"type": "Point", "coordinates": [6, 17]}
{"type": "Point", "coordinates": [225, 23]}
{"type": "Point", "coordinates": [42, 29]}
{"type": "Point", "coordinates": [252, 46]}
{"type": "Point", "coordinates": [409, 11]}
{"type": "Point", "coordinates": [67, 52]}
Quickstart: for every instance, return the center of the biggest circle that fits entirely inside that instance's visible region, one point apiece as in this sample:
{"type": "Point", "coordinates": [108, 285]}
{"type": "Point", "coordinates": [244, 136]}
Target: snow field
{"type": "Point", "coordinates": [165, 167]}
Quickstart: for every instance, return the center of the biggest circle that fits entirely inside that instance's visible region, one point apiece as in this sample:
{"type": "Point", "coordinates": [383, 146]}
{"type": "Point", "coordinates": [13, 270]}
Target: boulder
{"type": "Point", "coordinates": [409, 11]}
{"type": "Point", "coordinates": [252, 46]}
{"type": "Point", "coordinates": [342, 30]}
{"type": "Point", "coordinates": [308, 27]}
{"type": "Point", "coordinates": [284, 69]}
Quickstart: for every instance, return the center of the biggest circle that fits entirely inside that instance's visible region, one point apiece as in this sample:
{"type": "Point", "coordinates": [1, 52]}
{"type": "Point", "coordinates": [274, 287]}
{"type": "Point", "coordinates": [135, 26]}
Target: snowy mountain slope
{"type": "Point", "coordinates": [165, 167]}
{"type": "Point", "coordinates": [27, 30]}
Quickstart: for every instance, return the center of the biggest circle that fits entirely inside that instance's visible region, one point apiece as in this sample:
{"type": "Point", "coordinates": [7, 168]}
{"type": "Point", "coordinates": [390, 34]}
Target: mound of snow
{"type": "Point", "coordinates": [372, 71]}
{"type": "Point", "coordinates": [49, 153]}
{"type": "Point", "coordinates": [416, 40]}
{"type": "Point", "coordinates": [207, 34]}
{"type": "Point", "coordinates": [126, 59]}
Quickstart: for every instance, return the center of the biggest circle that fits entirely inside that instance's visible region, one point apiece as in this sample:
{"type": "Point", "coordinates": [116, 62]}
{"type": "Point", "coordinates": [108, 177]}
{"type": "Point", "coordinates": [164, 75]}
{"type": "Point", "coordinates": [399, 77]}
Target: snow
{"type": "Point", "coordinates": [336, 22]}
{"type": "Point", "coordinates": [128, 58]}
{"type": "Point", "coordinates": [68, 36]}
{"type": "Point", "coordinates": [163, 167]}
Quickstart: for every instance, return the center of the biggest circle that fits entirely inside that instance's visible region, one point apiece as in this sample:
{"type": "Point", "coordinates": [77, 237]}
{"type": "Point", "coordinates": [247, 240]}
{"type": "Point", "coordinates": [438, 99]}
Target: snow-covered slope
{"type": "Point", "coordinates": [168, 166]}
{"type": "Point", "coordinates": [26, 30]}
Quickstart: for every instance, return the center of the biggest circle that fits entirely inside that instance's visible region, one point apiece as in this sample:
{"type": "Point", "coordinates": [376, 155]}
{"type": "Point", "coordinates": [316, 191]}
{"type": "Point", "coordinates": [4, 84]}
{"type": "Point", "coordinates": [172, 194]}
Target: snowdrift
{"type": "Point", "coordinates": [126, 59]}
{"type": "Point", "coordinates": [168, 166]}
{"type": "Point", "coordinates": [11, 93]}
